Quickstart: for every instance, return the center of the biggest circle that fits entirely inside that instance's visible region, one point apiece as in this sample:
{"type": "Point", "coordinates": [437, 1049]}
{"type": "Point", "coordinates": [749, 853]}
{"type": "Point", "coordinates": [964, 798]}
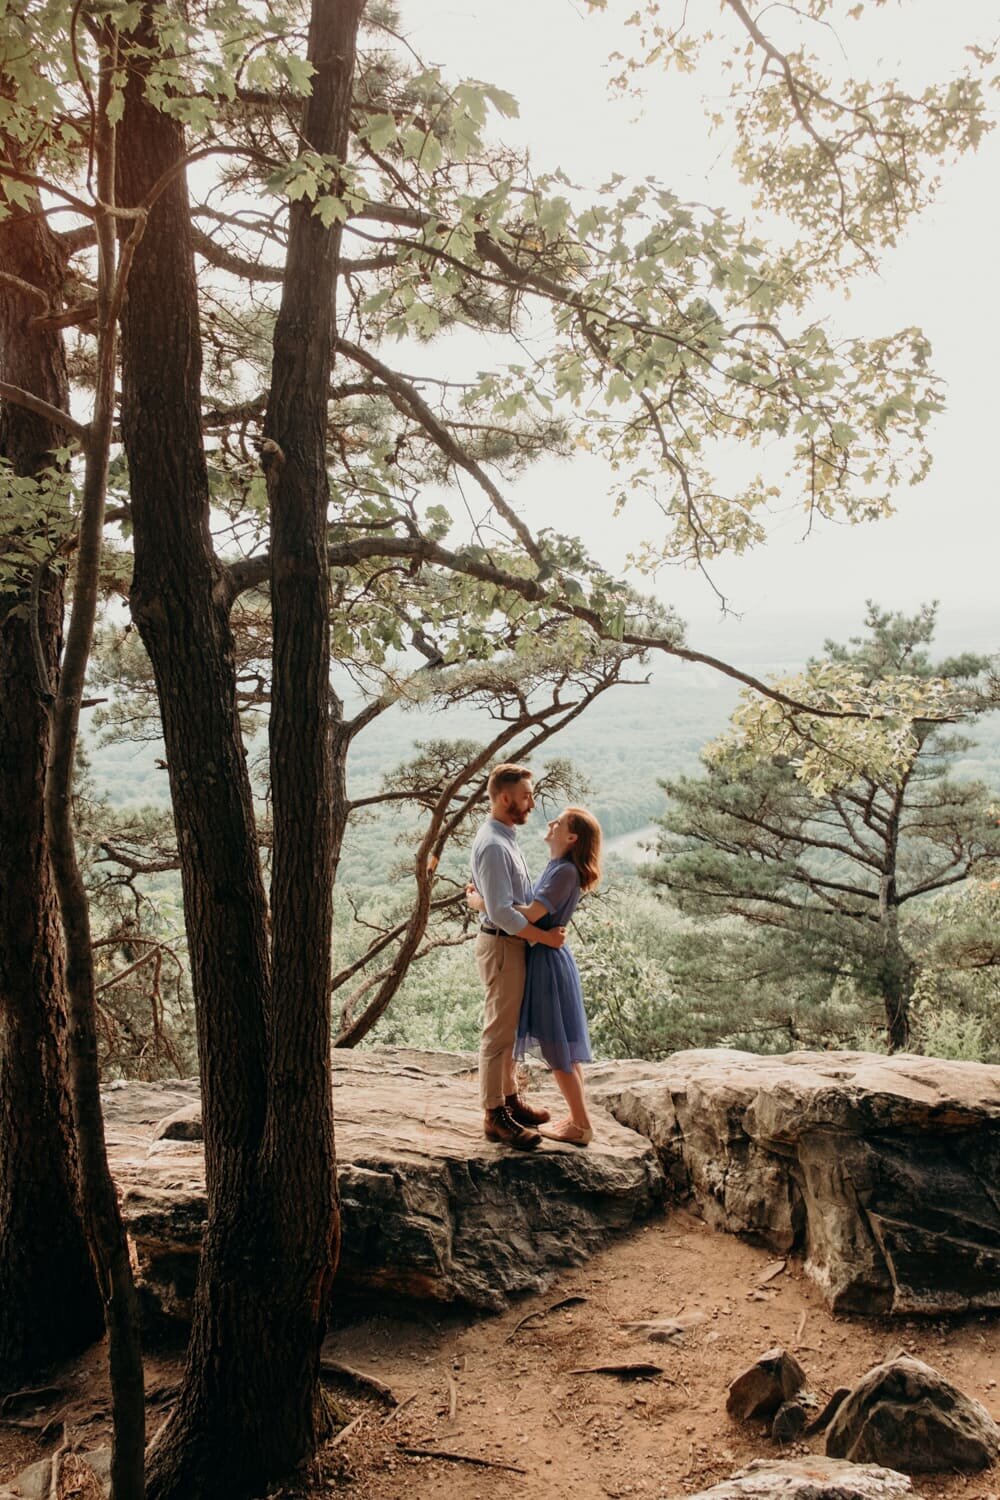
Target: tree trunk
{"type": "Point", "coordinates": [895, 971]}
{"type": "Point", "coordinates": [49, 1302]}
{"type": "Point", "coordinates": [218, 1438]}
{"type": "Point", "coordinates": [247, 1410]}
{"type": "Point", "coordinates": [298, 1160]}
{"type": "Point", "coordinates": [895, 977]}
{"type": "Point", "coordinates": [102, 1217]}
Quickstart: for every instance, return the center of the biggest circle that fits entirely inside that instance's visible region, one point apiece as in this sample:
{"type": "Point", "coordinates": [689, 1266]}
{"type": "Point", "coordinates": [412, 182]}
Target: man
{"type": "Point", "coordinates": [501, 877]}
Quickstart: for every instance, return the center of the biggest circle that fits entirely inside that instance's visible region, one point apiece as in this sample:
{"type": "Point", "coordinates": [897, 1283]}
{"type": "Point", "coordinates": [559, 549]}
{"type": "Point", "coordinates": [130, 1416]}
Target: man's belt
{"type": "Point", "coordinates": [491, 931]}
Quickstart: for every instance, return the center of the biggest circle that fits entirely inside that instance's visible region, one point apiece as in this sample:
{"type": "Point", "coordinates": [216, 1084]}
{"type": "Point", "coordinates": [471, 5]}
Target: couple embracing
{"type": "Point", "coordinates": [533, 995]}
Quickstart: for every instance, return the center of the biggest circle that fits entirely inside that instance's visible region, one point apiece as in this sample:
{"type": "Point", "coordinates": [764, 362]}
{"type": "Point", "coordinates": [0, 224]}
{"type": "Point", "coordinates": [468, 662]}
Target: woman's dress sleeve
{"type": "Point", "coordinates": [555, 885]}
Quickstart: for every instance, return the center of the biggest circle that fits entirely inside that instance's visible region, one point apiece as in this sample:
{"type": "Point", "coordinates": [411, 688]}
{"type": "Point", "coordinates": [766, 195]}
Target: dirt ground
{"type": "Point", "coordinates": [509, 1390]}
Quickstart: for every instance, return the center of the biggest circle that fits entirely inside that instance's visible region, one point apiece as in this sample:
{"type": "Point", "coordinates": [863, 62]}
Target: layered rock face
{"type": "Point", "coordinates": [883, 1173]}
{"type": "Point", "coordinates": [430, 1208]}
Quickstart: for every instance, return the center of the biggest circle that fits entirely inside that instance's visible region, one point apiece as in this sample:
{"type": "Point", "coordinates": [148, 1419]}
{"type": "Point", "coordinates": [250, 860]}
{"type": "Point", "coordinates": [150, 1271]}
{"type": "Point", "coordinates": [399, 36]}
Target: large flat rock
{"type": "Point", "coordinates": [883, 1172]}
{"type": "Point", "coordinates": [430, 1208]}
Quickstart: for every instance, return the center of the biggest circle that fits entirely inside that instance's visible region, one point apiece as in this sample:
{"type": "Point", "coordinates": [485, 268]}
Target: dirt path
{"type": "Point", "coordinates": [586, 1437]}
{"type": "Point", "coordinates": [504, 1388]}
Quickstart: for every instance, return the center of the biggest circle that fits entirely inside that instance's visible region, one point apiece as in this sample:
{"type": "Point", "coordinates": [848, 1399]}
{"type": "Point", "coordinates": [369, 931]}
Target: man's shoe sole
{"type": "Point", "coordinates": [530, 1140]}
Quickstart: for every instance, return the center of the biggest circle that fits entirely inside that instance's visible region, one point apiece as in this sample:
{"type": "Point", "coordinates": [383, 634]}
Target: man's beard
{"type": "Point", "coordinates": [519, 815]}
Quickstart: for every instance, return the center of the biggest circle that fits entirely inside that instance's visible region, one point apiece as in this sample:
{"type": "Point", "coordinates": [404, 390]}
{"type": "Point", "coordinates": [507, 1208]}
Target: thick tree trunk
{"type": "Point", "coordinates": [299, 1147]}
{"type": "Point", "coordinates": [219, 1437]}
{"type": "Point", "coordinates": [49, 1302]}
{"type": "Point", "coordinates": [247, 1411]}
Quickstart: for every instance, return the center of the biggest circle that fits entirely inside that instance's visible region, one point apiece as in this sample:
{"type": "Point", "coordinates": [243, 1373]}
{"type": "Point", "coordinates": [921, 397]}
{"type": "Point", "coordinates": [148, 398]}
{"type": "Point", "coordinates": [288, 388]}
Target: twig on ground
{"type": "Point", "coordinates": [338, 1371]}
{"type": "Point", "coordinates": [394, 1414]}
{"type": "Point", "coordinates": [459, 1458]}
{"type": "Point", "coordinates": [55, 1468]}
{"type": "Point", "coordinates": [345, 1432]}
{"type": "Point", "coordinates": [637, 1371]}
{"type": "Point", "coordinates": [543, 1312]}
{"type": "Point", "coordinates": [39, 1395]}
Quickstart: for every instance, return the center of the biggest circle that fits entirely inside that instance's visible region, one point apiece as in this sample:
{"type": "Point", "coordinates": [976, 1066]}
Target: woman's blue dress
{"type": "Point", "coordinates": [552, 1015]}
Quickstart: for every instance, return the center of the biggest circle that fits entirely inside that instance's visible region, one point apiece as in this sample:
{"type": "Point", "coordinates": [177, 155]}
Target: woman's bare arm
{"type": "Point", "coordinates": [534, 911]}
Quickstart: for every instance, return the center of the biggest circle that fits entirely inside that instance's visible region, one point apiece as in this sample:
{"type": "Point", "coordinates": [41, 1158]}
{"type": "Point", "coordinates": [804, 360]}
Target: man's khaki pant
{"type": "Point", "coordinates": [500, 961]}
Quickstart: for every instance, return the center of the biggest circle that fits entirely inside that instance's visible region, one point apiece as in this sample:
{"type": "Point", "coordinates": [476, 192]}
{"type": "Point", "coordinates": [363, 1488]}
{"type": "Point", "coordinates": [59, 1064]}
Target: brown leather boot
{"type": "Point", "coordinates": [499, 1125]}
{"type": "Point", "coordinates": [524, 1113]}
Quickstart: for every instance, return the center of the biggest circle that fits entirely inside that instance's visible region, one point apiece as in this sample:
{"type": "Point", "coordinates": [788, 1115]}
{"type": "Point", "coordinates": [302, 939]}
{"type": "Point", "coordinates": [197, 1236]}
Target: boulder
{"type": "Point", "coordinates": [882, 1172]}
{"type": "Point", "coordinates": [770, 1382]}
{"type": "Point", "coordinates": [430, 1208]}
{"type": "Point", "coordinates": [810, 1478]}
{"type": "Point", "coordinates": [76, 1474]}
{"type": "Point", "coordinates": [903, 1413]}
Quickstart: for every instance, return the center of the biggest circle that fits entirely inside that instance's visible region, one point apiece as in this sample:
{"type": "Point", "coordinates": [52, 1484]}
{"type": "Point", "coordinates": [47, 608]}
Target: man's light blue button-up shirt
{"type": "Point", "coordinates": [500, 875]}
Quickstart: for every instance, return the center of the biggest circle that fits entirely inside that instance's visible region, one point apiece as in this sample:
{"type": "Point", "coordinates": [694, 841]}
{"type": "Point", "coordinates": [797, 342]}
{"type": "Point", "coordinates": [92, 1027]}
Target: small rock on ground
{"type": "Point", "coordinates": [812, 1478]}
{"type": "Point", "coordinates": [770, 1382]}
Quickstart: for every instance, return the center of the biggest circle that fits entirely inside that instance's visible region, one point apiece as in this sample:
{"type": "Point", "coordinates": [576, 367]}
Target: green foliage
{"type": "Point", "coordinates": [145, 1013]}
{"type": "Point", "coordinates": [633, 1007]}
{"type": "Point", "coordinates": [659, 330]}
{"type": "Point", "coordinates": [849, 160]}
{"type": "Point", "coordinates": [827, 880]}
{"type": "Point", "coordinates": [35, 523]}
{"type": "Point", "coordinates": [439, 1005]}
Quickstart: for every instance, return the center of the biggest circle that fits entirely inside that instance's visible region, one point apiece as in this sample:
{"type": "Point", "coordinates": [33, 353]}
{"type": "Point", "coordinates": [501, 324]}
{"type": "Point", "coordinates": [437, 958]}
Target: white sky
{"type": "Point", "coordinates": [943, 543]}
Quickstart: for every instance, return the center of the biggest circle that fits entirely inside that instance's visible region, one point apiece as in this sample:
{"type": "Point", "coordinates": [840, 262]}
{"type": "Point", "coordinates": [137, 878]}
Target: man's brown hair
{"type": "Point", "coordinates": [502, 778]}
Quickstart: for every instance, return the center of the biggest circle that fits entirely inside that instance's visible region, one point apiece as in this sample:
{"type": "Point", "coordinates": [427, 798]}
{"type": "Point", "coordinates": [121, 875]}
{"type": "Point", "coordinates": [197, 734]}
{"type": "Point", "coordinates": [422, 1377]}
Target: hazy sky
{"type": "Point", "coordinates": [943, 543]}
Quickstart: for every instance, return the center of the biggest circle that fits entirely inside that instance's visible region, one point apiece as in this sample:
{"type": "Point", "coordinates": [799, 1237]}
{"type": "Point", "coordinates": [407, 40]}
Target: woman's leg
{"type": "Point", "coordinates": [571, 1087]}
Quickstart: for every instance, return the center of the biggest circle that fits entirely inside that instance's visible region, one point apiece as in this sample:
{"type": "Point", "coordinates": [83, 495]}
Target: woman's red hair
{"type": "Point", "coordinates": [586, 851]}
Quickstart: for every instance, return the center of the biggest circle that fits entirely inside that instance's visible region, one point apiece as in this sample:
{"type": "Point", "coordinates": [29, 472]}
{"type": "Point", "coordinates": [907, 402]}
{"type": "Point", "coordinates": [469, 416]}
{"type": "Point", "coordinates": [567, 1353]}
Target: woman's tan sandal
{"type": "Point", "coordinates": [566, 1131]}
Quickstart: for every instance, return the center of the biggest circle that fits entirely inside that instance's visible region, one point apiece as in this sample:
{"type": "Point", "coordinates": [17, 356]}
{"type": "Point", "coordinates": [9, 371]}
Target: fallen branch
{"type": "Point", "coordinates": [337, 1371]}
{"type": "Point", "coordinates": [55, 1468]}
{"type": "Point", "coordinates": [459, 1458]}
{"type": "Point", "coordinates": [667, 1330]}
{"type": "Point", "coordinates": [41, 1395]}
{"type": "Point", "coordinates": [543, 1313]}
{"type": "Point", "coordinates": [394, 1414]}
{"type": "Point", "coordinates": [345, 1432]}
{"type": "Point", "coordinates": [800, 1330]}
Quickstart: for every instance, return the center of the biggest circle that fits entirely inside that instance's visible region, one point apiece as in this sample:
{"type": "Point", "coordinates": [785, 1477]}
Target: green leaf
{"type": "Point", "coordinates": [379, 131]}
{"type": "Point", "coordinates": [377, 299]}
{"type": "Point", "coordinates": [330, 210]}
{"type": "Point", "coordinates": [298, 70]}
{"type": "Point", "coordinates": [505, 104]}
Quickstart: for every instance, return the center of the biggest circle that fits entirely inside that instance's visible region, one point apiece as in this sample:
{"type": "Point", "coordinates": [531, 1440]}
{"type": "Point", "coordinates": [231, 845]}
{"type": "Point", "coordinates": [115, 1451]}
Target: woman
{"type": "Point", "coordinates": [552, 1015]}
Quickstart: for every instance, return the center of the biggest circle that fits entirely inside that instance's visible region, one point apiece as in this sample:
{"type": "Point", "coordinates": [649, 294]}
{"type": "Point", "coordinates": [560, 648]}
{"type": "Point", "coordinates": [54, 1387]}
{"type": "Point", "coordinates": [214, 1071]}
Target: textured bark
{"type": "Point", "coordinates": [214, 1442]}
{"type": "Point", "coordinates": [49, 1304]}
{"type": "Point", "coordinates": [299, 1145]}
{"type": "Point", "coordinates": [99, 1200]}
{"type": "Point", "coordinates": [895, 973]}
{"type": "Point", "coordinates": [248, 1408]}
